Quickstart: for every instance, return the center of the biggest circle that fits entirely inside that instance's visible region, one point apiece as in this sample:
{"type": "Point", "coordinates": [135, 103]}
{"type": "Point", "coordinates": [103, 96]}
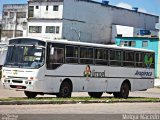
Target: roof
{"type": "Point", "coordinates": [63, 41]}
{"type": "Point", "coordinates": [139, 38]}
{"type": "Point", "coordinates": [108, 5]}
{"type": "Point", "coordinates": [95, 2]}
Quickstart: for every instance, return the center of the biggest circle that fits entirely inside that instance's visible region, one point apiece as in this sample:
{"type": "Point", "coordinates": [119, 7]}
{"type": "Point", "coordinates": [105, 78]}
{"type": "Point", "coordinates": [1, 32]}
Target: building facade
{"type": "Point", "coordinates": [83, 20]}
{"type": "Point", "coordinates": [14, 20]}
{"type": "Point", "coordinates": [145, 43]}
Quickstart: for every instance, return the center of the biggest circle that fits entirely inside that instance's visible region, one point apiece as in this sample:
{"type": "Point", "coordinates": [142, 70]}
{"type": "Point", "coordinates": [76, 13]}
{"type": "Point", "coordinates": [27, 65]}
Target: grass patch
{"type": "Point", "coordinates": [83, 99]}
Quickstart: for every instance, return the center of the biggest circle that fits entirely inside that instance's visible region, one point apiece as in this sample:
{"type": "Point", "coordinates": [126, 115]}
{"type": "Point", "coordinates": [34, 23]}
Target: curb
{"type": "Point", "coordinates": [72, 102]}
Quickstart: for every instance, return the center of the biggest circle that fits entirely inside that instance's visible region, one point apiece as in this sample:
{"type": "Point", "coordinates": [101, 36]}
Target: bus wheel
{"type": "Point", "coordinates": [30, 94]}
{"type": "Point", "coordinates": [124, 90]}
{"type": "Point", "coordinates": [65, 90]}
{"type": "Point", "coordinates": [95, 94]}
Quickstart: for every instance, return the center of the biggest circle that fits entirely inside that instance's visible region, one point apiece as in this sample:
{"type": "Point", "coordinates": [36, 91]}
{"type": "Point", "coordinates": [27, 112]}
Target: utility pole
{"type": "Point", "coordinates": [15, 29]}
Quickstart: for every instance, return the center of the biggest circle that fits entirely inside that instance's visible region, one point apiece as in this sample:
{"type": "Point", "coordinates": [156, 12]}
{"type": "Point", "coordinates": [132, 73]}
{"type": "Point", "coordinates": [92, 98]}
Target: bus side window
{"type": "Point", "coordinates": [71, 54]}
{"type": "Point", "coordinates": [58, 56]}
{"type": "Point", "coordinates": [86, 55]}
{"type": "Point", "coordinates": [101, 56]}
{"type": "Point", "coordinates": [138, 59]}
{"type": "Point", "coordinates": [115, 57]}
{"type": "Point", "coordinates": [55, 57]}
{"type": "Point", "coordinates": [128, 58]}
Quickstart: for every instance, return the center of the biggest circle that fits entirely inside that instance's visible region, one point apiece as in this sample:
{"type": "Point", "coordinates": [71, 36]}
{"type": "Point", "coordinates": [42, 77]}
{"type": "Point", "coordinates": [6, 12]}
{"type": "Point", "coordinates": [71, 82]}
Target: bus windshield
{"type": "Point", "coordinates": [25, 56]}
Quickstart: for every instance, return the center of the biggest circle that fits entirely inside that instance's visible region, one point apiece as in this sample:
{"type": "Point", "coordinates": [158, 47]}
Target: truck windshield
{"type": "Point", "coordinates": [25, 57]}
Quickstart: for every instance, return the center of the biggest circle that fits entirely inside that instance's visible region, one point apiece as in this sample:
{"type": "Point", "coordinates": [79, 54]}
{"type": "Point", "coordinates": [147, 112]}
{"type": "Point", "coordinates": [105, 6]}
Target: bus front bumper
{"type": "Point", "coordinates": [19, 84]}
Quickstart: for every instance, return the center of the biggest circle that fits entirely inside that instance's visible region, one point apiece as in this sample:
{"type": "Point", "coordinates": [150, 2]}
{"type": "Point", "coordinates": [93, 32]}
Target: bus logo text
{"type": "Point", "coordinates": [98, 74]}
{"type": "Point", "coordinates": [143, 74]}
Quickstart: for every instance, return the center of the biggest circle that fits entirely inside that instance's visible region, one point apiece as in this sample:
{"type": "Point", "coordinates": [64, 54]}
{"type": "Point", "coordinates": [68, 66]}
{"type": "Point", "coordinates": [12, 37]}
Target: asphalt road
{"type": "Point", "coordinates": [115, 111]}
{"type": "Point", "coordinates": [115, 108]}
{"type": "Point", "coordinates": [108, 111]}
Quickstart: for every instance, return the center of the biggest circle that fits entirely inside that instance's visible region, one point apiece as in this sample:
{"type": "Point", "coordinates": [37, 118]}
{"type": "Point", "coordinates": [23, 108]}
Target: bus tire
{"type": "Point", "coordinates": [30, 94]}
{"type": "Point", "coordinates": [124, 92]}
{"type": "Point", "coordinates": [95, 94]}
{"type": "Point", "coordinates": [65, 90]}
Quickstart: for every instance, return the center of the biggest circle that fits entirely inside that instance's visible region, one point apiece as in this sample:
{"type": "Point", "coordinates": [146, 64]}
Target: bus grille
{"type": "Point", "coordinates": [17, 81]}
{"type": "Point", "coordinates": [18, 86]}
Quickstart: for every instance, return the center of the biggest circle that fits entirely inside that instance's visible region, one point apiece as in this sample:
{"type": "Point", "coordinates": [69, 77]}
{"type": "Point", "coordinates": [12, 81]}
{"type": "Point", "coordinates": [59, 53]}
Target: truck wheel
{"type": "Point", "coordinates": [30, 94]}
{"type": "Point", "coordinates": [95, 94]}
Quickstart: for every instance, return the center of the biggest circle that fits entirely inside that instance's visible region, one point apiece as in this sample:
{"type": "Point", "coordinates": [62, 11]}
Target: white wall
{"type": "Point", "coordinates": [125, 31]}
{"type": "Point", "coordinates": [42, 13]}
{"type": "Point", "coordinates": [44, 18]}
{"type": "Point", "coordinates": [45, 23]}
{"type": "Point", "coordinates": [87, 21]}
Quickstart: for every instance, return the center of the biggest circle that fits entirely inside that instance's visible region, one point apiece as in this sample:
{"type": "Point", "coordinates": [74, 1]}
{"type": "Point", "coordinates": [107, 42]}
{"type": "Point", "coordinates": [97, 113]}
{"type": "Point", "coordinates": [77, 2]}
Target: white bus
{"type": "Point", "coordinates": [60, 67]}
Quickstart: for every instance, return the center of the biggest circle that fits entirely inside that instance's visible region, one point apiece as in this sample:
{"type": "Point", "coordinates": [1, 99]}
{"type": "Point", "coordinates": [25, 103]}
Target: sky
{"type": "Point", "coordinates": [147, 6]}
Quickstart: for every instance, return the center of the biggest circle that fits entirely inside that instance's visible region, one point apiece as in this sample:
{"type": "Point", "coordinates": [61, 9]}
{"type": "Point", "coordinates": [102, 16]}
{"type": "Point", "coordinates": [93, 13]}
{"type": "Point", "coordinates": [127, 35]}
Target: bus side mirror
{"type": "Point", "coordinates": [52, 51]}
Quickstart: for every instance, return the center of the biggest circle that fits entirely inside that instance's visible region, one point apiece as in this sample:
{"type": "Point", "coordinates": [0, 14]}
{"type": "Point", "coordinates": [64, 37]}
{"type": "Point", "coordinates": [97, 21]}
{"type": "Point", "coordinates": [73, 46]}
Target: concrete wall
{"type": "Point", "coordinates": [88, 18]}
{"type": "Point", "coordinates": [41, 12]}
{"type": "Point", "coordinates": [96, 19]}
{"type": "Point", "coordinates": [88, 21]}
{"type": "Point", "coordinates": [9, 21]}
{"type": "Point", "coordinates": [12, 20]}
{"type": "Point", "coordinates": [45, 23]}
{"type": "Point", "coordinates": [43, 17]}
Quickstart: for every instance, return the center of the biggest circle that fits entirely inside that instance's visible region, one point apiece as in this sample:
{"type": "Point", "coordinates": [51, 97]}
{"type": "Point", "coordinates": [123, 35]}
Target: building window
{"type": "Point", "coordinates": [30, 11]}
{"type": "Point", "coordinates": [57, 29]}
{"type": "Point", "coordinates": [37, 7]}
{"type": "Point", "coordinates": [144, 43]}
{"type": "Point", "coordinates": [35, 29]}
{"type": "Point", "coordinates": [52, 29]}
{"type": "Point", "coordinates": [132, 43]}
{"type": "Point", "coordinates": [11, 14]}
{"type": "Point", "coordinates": [55, 8]}
{"type": "Point", "coordinates": [128, 43]}
{"type": "Point", "coordinates": [124, 43]}
{"type": "Point", "coordinates": [5, 13]}
{"type": "Point", "coordinates": [21, 15]}
{"type": "Point", "coordinates": [47, 8]}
